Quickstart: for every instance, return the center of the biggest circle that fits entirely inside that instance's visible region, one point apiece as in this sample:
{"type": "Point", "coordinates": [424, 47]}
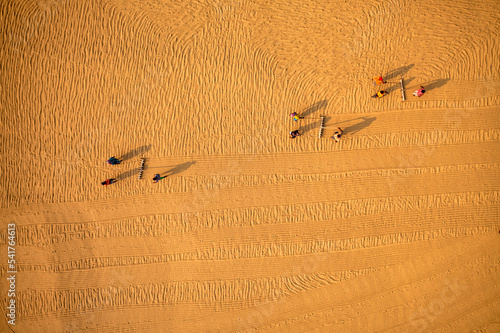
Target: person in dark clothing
{"type": "Point", "coordinates": [113, 160]}
{"type": "Point", "coordinates": [294, 134]}
{"type": "Point", "coordinates": [157, 178]}
{"type": "Point", "coordinates": [337, 135]}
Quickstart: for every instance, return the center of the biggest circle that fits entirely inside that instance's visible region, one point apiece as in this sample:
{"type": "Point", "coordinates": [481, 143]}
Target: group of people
{"type": "Point", "coordinates": [338, 134]}
{"type": "Point", "coordinates": [114, 161]}
{"type": "Point", "coordinates": [296, 117]}
{"type": "Point", "coordinates": [293, 134]}
{"type": "Point", "coordinates": [379, 80]}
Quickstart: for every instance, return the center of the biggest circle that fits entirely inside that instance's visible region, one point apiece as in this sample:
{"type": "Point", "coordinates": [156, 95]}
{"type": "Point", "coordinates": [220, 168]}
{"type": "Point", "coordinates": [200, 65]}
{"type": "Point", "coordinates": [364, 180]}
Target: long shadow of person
{"type": "Point", "coordinates": [432, 84]}
{"type": "Point", "coordinates": [177, 169]}
{"type": "Point", "coordinates": [353, 129]}
{"type": "Point", "coordinates": [397, 72]}
{"type": "Point", "coordinates": [306, 128]}
{"type": "Point", "coordinates": [127, 174]}
{"type": "Point", "coordinates": [315, 107]}
{"type": "Point", "coordinates": [397, 86]}
{"type": "Point", "coordinates": [135, 152]}
{"type": "Point", "coordinates": [180, 168]}
{"type": "Point", "coordinates": [438, 83]}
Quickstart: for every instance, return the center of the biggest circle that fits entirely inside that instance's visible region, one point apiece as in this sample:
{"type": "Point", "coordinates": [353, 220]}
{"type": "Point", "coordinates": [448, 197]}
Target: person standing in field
{"type": "Point", "coordinates": [157, 178]}
{"type": "Point", "coordinates": [380, 94]}
{"type": "Point", "coordinates": [113, 161]}
{"type": "Point", "coordinates": [420, 92]}
{"type": "Point", "coordinates": [378, 80]}
{"type": "Point", "coordinates": [337, 135]}
{"type": "Point", "coordinates": [295, 116]}
{"type": "Point", "coordinates": [294, 134]}
{"type": "Point", "coordinates": [109, 182]}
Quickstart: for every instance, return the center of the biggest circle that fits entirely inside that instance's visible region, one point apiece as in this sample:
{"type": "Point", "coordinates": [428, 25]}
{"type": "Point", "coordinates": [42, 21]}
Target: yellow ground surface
{"type": "Point", "coordinates": [393, 229]}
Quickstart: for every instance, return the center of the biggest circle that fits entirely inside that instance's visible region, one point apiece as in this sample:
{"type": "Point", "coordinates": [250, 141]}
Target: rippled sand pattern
{"type": "Point", "coordinates": [394, 229]}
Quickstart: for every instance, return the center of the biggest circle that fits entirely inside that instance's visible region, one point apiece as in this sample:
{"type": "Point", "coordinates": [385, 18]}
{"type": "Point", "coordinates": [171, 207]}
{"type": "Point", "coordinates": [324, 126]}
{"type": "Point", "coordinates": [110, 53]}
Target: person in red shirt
{"type": "Point", "coordinates": [109, 182]}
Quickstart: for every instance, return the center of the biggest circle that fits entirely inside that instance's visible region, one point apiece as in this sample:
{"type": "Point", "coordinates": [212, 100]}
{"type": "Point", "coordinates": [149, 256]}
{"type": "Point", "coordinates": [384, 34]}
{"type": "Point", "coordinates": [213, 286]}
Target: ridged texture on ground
{"type": "Point", "coordinates": [394, 228]}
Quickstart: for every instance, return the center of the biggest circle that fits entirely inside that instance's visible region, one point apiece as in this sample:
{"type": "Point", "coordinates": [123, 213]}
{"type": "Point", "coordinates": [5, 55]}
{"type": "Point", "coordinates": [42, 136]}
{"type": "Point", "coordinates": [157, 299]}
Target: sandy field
{"type": "Point", "coordinates": [393, 229]}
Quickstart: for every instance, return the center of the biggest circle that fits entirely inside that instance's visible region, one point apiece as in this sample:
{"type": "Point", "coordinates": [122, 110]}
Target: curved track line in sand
{"type": "Point", "coordinates": [261, 233]}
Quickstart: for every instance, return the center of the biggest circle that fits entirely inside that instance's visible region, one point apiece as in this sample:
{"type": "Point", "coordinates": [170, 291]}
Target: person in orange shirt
{"type": "Point", "coordinates": [380, 94]}
{"type": "Point", "coordinates": [378, 80]}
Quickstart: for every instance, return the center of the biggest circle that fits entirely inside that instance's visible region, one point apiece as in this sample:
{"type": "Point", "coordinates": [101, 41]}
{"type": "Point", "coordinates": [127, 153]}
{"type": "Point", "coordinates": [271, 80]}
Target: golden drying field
{"type": "Point", "coordinates": [393, 229]}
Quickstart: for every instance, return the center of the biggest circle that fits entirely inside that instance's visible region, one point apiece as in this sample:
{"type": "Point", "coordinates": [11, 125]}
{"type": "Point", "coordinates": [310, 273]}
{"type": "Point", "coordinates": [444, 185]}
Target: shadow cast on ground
{"type": "Point", "coordinates": [306, 128]}
{"type": "Point", "coordinates": [127, 174]}
{"type": "Point", "coordinates": [135, 152]}
{"type": "Point", "coordinates": [315, 107]}
{"type": "Point", "coordinates": [397, 86]}
{"type": "Point", "coordinates": [391, 88]}
{"type": "Point", "coordinates": [434, 84]}
{"type": "Point", "coordinates": [438, 83]}
{"type": "Point", "coordinates": [398, 72]}
{"type": "Point", "coordinates": [178, 169]}
{"type": "Point", "coordinates": [359, 126]}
